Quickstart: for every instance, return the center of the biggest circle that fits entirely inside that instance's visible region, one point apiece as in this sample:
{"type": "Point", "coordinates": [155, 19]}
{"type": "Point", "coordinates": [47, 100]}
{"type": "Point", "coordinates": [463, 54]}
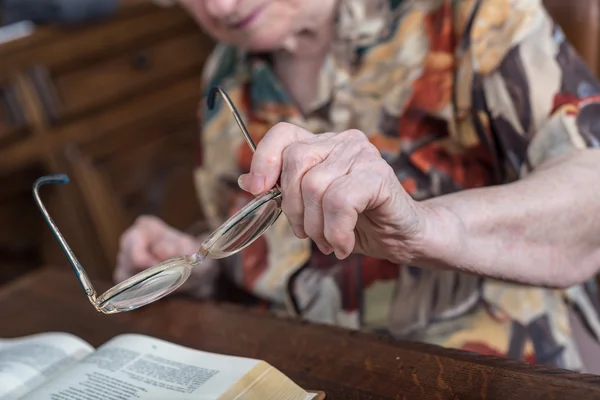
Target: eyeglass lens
{"type": "Point", "coordinates": [151, 288]}
{"type": "Point", "coordinates": [251, 224]}
{"type": "Point", "coordinates": [160, 280]}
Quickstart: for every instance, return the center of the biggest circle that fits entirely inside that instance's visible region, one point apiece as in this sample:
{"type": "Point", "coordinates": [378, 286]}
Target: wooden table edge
{"type": "Point", "coordinates": [570, 378]}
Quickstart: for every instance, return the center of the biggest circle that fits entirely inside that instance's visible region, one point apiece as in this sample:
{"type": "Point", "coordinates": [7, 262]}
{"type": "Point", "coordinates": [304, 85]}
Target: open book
{"type": "Point", "coordinates": [60, 366]}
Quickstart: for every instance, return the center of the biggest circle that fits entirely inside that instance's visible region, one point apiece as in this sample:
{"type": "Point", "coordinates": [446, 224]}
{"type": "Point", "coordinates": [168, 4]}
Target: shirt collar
{"type": "Point", "coordinates": [359, 24]}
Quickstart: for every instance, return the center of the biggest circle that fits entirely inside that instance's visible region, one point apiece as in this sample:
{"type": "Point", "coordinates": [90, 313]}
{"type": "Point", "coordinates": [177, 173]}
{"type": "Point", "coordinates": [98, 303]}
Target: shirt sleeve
{"type": "Point", "coordinates": [535, 96]}
{"type": "Point", "coordinates": [535, 100]}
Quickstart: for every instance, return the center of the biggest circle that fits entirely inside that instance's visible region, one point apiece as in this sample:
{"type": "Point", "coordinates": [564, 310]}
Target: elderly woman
{"type": "Point", "coordinates": [451, 193]}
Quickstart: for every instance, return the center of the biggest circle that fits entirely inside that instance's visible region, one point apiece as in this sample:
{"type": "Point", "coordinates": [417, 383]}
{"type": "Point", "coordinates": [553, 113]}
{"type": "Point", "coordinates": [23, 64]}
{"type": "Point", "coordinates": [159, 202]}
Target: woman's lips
{"type": "Point", "coordinates": [246, 21]}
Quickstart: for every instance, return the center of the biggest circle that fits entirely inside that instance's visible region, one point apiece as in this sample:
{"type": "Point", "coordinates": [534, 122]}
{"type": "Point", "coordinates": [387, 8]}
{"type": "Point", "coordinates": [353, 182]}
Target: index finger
{"type": "Point", "coordinates": [267, 159]}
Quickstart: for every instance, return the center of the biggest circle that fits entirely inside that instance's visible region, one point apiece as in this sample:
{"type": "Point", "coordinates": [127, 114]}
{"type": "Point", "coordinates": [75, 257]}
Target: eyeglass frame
{"type": "Point", "coordinates": [82, 275]}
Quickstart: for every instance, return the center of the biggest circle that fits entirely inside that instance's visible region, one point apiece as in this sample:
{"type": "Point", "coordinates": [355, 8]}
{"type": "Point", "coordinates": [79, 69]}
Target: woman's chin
{"type": "Point", "coordinates": [264, 47]}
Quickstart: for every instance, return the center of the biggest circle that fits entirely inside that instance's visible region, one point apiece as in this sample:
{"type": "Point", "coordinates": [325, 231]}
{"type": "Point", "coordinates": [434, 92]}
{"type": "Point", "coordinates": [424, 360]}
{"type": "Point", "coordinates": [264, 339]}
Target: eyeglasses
{"type": "Point", "coordinates": [239, 231]}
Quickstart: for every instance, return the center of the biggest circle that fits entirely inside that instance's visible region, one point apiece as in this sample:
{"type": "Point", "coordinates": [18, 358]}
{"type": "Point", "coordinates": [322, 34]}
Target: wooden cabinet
{"type": "Point", "coordinates": [580, 20]}
{"type": "Point", "coordinates": [113, 104]}
{"type": "Point", "coordinates": [12, 119]}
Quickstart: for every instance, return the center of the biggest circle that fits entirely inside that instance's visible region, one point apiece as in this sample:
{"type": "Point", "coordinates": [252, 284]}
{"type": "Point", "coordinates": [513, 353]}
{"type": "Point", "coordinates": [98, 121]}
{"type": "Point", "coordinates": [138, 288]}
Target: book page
{"type": "Point", "coordinates": [139, 367]}
{"type": "Point", "coordinates": [27, 362]}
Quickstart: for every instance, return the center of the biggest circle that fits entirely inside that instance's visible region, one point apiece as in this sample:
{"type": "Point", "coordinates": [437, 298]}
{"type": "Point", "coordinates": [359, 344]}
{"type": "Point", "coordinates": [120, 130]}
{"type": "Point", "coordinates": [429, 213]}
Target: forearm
{"type": "Point", "coordinates": [541, 230]}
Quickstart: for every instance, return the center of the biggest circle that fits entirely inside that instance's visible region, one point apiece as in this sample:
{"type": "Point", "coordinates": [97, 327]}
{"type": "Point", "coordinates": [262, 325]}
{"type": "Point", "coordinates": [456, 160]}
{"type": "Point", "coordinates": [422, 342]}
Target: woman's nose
{"type": "Point", "coordinates": [221, 8]}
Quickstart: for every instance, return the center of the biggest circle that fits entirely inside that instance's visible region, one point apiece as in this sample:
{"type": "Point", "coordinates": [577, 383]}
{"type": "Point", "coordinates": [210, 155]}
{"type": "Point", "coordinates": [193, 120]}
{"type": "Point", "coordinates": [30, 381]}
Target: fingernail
{"type": "Point", "coordinates": [257, 184]}
{"type": "Point", "coordinates": [243, 182]}
{"type": "Point", "coordinates": [325, 249]}
{"type": "Point", "coordinates": [300, 232]}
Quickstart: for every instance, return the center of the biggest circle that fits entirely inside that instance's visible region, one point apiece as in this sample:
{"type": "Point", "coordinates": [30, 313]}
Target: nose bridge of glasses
{"type": "Point", "coordinates": [210, 102]}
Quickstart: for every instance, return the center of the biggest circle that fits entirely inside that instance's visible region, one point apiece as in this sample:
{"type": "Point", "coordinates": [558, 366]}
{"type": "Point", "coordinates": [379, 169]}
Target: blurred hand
{"type": "Point", "coordinates": [339, 192]}
{"type": "Point", "coordinates": [150, 241]}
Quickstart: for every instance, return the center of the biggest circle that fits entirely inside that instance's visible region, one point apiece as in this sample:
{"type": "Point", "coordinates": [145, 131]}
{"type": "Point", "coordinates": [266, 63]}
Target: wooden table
{"type": "Point", "coordinates": [346, 364]}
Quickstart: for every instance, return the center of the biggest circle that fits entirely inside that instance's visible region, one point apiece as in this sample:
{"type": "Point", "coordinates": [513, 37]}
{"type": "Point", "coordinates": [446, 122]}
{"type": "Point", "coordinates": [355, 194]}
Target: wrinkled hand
{"type": "Point", "coordinates": [338, 191]}
{"type": "Point", "coordinates": [150, 241]}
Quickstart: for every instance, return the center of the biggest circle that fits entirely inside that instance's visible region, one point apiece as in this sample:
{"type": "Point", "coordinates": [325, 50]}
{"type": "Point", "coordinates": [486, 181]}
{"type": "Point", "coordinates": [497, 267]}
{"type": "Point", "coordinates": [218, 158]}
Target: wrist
{"type": "Point", "coordinates": [440, 240]}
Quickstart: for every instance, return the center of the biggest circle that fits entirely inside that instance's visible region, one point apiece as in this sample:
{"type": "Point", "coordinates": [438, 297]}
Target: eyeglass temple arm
{"type": "Point", "coordinates": [210, 100]}
{"type": "Point", "coordinates": [211, 103]}
{"type": "Point", "coordinates": [77, 267]}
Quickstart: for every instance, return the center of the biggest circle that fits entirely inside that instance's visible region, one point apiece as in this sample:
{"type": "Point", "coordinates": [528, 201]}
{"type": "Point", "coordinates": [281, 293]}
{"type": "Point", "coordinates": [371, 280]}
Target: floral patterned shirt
{"type": "Point", "coordinates": [456, 94]}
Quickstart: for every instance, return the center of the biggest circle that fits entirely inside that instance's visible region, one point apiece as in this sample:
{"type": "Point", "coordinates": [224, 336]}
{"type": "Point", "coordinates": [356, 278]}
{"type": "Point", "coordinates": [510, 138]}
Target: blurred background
{"type": "Point", "coordinates": [110, 98]}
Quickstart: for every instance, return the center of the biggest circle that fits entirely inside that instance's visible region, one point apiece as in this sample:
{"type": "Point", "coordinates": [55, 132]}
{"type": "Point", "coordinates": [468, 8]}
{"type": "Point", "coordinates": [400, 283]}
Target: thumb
{"type": "Point", "coordinates": [245, 182]}
{"type": "Point", "coordinates": [267, 160]}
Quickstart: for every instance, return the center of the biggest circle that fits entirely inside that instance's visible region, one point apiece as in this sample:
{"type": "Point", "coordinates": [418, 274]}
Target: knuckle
{"type": "Point", "coordinates": [355, 134]}
{"type": "Point", "coordinates": [372, 150]}
{"type": "Point", "coordinates": [368, 151]}
{"type": "Point", "coordinates": [146, 221]}
{"type": "Point", "coordinates": [314, 183]}
{"type": "Point", "coordinates": [276, 131]}
{"type": "Point", "coordinates": [336, 201]}
{"type": "Point", "coordinates": [372, 167]}
{"type": "Point", "coordinates": [353, 148]}
{"type": "Point", "coordinates": [292, 159]}
{"type": "Point", "coordinates": [359, 144]}
{"type": "Point", "coordinates": [300, 156]}
{"type": "Point", "coordinates": [292, 153]}
{"type": "Point", "coordinates": [383, 169]}
{"type": "Point", "coordinates": [282, 125]}
{"type": "Point", "coordinates": [299, 153]}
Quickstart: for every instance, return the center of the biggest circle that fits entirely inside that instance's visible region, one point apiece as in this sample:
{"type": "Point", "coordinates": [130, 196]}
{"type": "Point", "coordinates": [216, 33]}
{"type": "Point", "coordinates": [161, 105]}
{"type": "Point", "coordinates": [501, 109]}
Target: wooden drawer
{"type": "Point", "coordinates": [13, 117]}
{"type": "Point", "coordinates": [73, 93]}
{"type": "Point", "coordinates": [113, 104]}
{"type": "Point", "coordinates": [60, 47]}
{"type": "Point", "coordinates": [149, 110]}
{"type": "Point", "coordinates": [21, 224]}
{"type": "Point", "coordinates": [143, 155]}
{"type": "Point", "coordinates": [580, 21]}
{"type": "Point", "coordinates": [142, 167]}
{"type": "Point", "coordinates": [157, 178]}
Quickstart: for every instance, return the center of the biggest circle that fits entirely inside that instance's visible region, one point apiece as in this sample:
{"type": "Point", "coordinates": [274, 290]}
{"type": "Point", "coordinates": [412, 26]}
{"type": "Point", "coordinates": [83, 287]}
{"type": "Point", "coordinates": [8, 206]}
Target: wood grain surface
{"type": "Point", "coordinates": [345, 364]}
